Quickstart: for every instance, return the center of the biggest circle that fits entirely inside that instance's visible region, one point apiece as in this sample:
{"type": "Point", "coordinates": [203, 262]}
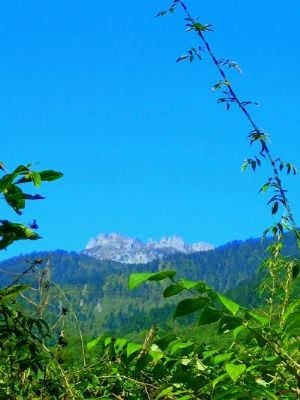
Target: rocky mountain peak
{"type": "Point", "coordinates": [127, 250]}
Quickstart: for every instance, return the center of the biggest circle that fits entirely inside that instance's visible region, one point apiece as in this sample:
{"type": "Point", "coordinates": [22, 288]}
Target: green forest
{"type": "Point", "coordinates": [219, 324]}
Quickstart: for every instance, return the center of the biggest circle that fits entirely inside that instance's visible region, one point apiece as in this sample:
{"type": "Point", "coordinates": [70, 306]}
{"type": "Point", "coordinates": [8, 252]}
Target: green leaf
{"type": "Point", "coordinates": [229, 304]}
{"type": "Point", "coordinates": [164, 392]}
{"type": "Point", "coordinates": [172, 290]}
{"type": "Point", "coordinates": [11, 232]}
{"type": "Point", "coordinates": [275, 207]}
{"type": "Point", "coordinates": [208, 315]}
{"type": "Point", "coordinates": [6, 294]}
{"type": "Point", "coordinates": [133, 348]}
{"type": "Point", "coordinates": [219, 379]}
{"type": "Point", "coordinates": [244, 165]}
{"type": "Point", "coordinates": [137, 279]}
{"type": "Point", "coordinates": [50, 175]}
{"type": "Point", "coordinates": [164, 341]}
{"type": "Point", "coordinates": [265, 187]}
{"type": "Point", "coordinates": [260, 318]}
{"type": "Point", "coordinates": [295, 271]}
{"type": "Point", "coordinates": [182, 347]}
{"type": "Point", "coordinates": [90, 345]}
{"type": "Point", "coordinates": [229, 323]}
{"type": "Point", "coordinates": [15, 198]}
{"type": "Point", "coordinates": [235, 370]}
{"type": "Point", "coordinates": [21, 170]}
{"type": "Point", "coordinates": [119, 344]}
{"type": "Point", "coordinates": [222, 357]}
{"type": "Point", "coordinates": [36, 178]}
{"type": "Point", "coordinates": [292, 324]}
{"type": "Point", "coordinates": [188, 306]}
{"type": "Point", "coordinates": [156, 355]}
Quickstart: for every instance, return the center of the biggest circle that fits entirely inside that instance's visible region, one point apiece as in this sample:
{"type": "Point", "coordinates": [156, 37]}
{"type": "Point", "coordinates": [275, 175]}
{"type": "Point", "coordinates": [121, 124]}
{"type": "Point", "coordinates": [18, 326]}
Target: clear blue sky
{"type": "Point", "coordinates": [92, 89]}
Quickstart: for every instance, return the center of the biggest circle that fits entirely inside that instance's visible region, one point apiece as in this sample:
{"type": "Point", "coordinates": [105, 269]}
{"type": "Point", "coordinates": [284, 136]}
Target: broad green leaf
{"type": "Point", "coordinates": [235, 370]}
{"type": "Point", "coordinates": [229, 323]}
{"type": "Point", "coordinates": [182, 347]}
{"type": "Point", "coordinates": [208, 315]}
{"type": "Point", "coordinates": [292, 324]}
{"type": "Point", "coordinates": [90, 345]}
{"type": "Point", "coordinates": [50, 175]}
{"type": "Point", "coordinates": [21, 170]}
{"type": "Point", "coordinates": [36, 178]}
{"type": "Point", "coordinates": [222, 357]}
{"type": "Point", "coordinates": [119, 345]}
{"type": "Point", "coordinates": [219, 379]}
{"type": "Point", "coordinates": [15, 198]}
{"type": "Point", "coordinates": [133, 348]}
{"type": "Point", "coordinates": [6, 294]}
{"type": "Point", "coordinates": [156, 355]}
{"type": "Point", "coordinates": [172, 290]}
{"type": "Point", "coordinates": [164, 392]}
{"type": "Point", "coordinates": [46, 175]}
{"type": "Point", "coordinates": [232, 306]}
{"type": "Point", "coordinates": [189, 306]}
{"type": "Point", "coordinates": [188, 284]}
{"type": "Point", "coordinates": [208, 354]}
{"type": "Point", "coordinates": [11, 232]}
{"type": "Point", "coordinates": [295, 270]}
{"type": "Point", "coordinates": [164, 341]}
{"type": "Point", "coordinates": [260, 318]}
{"type": "Point", "coordinates": [241, 331]}
{"type": "Point", "coordinates": [137, 279]}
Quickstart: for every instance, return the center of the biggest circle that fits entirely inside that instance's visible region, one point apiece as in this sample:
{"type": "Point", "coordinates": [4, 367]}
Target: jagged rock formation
{"type": "Point", "coordinates": [119, 248]}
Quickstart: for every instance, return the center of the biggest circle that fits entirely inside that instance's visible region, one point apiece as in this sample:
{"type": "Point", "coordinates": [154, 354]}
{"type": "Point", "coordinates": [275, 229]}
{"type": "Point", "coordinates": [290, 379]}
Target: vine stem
{"type": "Point", "coordinates": [265, 150]}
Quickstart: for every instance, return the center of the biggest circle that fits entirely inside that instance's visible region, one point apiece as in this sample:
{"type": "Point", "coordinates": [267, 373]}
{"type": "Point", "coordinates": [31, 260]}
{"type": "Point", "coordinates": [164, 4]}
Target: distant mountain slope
{"type": "Point", "coordinates": [98, 293]}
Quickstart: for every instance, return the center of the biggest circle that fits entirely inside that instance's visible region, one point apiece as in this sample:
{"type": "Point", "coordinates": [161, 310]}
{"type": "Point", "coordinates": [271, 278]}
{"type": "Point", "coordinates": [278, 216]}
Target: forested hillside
{"type": "Point", "coordinates": [98, 290]}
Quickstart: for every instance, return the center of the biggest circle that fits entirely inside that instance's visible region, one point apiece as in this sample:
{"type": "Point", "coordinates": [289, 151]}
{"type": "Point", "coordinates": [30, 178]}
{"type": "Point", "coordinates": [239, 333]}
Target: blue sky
{"type": "Point", "coordinates": [93, 89]}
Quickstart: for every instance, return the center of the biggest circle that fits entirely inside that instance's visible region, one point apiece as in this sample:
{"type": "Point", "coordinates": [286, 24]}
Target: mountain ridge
{"type": "Point", "coordinates": [116, 247]}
